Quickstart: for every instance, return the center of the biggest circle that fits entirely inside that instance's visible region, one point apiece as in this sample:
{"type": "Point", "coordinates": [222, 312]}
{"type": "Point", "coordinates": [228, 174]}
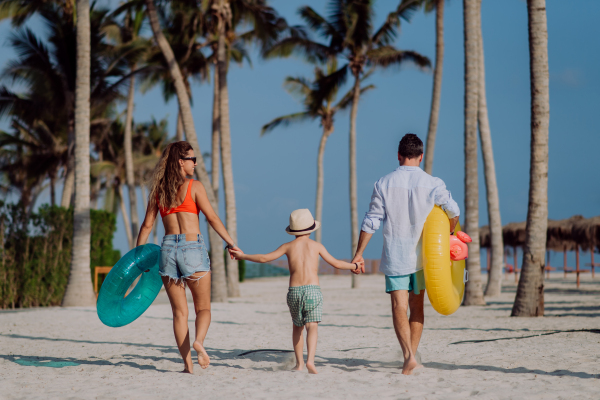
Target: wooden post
{"type": "Point", "coordinates": [593, 265]}
{"type": "Point", "coordinates": [505, 257]}
{"type": "Point", "coordinates": [515, 264]}
{"type": "Point", "coordinates": [577, 270]}
{"type": "Point", "coordinates": [565, 261]}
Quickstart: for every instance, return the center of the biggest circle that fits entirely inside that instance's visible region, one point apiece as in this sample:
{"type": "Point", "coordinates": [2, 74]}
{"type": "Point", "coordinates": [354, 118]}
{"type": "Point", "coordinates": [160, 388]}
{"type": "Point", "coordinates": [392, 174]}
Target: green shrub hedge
{"type": "Point", "coordinates": [36, 253]}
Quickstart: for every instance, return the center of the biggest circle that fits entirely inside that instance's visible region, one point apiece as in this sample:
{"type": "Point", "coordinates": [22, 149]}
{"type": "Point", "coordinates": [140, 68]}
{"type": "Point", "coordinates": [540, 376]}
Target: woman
{"type": "Point", "coordinates": [183, 256]}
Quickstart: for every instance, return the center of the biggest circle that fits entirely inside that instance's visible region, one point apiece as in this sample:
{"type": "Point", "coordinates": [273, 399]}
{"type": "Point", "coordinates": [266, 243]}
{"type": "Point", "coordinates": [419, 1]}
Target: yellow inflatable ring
{"type": "Point", "coordinates": [444, 279]}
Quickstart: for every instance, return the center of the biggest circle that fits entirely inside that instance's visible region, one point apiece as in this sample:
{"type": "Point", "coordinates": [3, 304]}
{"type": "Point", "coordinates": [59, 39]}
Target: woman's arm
{"type": "Point", "coordinates": [261, 258]}
{"type": "Point", "coordinates": [210, 214]}
{"type": "Point", "coordinates": [148, 223]}
{"type": "Point", "coordinates": [335, 263]}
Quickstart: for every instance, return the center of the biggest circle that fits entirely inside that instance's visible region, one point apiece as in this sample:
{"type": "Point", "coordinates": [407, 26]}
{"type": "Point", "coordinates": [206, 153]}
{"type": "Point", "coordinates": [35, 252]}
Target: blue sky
{"type": "Point", "coordinates": [276, 174]}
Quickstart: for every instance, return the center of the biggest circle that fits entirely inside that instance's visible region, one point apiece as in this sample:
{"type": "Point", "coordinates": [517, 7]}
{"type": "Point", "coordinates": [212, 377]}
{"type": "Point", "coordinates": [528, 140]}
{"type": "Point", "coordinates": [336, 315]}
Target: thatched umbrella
{"type": "Point", "coordinates": [563, 235]}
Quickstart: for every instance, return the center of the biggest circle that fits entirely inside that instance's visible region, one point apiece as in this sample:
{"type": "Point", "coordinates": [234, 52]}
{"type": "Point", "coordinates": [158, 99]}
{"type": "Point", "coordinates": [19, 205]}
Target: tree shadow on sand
{"type": "Point", "coordinates": [518, 370]}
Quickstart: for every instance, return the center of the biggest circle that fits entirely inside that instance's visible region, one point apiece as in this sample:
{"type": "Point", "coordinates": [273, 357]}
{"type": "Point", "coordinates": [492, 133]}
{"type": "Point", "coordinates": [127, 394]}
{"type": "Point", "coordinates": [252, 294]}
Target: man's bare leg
{"type": "Point", "coordinates": [176, 293]}
{"type": "Point", "coordinates": [402, 328]}
{"type": "Point", "coordinates": [311, 344]}
{"type": "Point", "coordinates": [200, 289]}
{"type": "Point", "coordinates": [415, 304]}
{"type": "Point", "coordinates": [298, 347]}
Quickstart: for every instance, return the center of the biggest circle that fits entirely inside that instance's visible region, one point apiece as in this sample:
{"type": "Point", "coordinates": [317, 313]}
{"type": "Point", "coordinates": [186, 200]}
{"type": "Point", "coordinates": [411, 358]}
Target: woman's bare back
{"type": "Point", "coordinates": [183, 222]}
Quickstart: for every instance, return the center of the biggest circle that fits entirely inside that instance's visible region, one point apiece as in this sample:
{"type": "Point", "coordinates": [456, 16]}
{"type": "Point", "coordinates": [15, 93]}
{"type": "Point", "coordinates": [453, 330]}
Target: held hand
{"type": "Point", "coordinates": [358, 259]}
{"type": "Point", "coordinates": [235, 253]}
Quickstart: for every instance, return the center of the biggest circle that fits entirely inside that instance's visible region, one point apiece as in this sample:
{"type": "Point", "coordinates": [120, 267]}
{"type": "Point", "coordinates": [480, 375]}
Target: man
{"type": "Point", "coordinates": [402, 200]}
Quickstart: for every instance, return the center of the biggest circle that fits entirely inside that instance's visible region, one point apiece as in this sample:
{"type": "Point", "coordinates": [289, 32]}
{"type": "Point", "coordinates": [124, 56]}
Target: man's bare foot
{"type": "Point", "coordinates": [311, 368]}
{"type": "Point", "coordinates": [203, 358]}
{"type": "Point", "coordinates": [410, 365]}
{"type": "Point", "coordinates": [187, 370]}
{"type": "Point", "coordinates": [298, 367]}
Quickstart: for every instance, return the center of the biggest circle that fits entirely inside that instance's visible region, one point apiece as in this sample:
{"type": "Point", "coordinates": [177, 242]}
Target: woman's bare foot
{"type": "Point", "coordinates": [188, 369]}
{"type": "Point", "coordinates": [298, 367]}
{"type": "Point", "coordinates": [410, 365]}
{"type": "Point", "coordinates": [203, 358]}
{"type": "Point", "coordinates": [311, 368]}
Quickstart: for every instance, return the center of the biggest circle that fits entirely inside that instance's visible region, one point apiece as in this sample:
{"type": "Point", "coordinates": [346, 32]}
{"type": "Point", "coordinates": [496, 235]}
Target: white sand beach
{"type": "Point", "coordinates": [68, 353]}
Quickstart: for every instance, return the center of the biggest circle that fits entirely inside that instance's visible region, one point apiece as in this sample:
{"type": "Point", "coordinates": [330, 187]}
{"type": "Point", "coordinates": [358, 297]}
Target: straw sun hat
{"type": "Point", "coordinates": [302, 223]}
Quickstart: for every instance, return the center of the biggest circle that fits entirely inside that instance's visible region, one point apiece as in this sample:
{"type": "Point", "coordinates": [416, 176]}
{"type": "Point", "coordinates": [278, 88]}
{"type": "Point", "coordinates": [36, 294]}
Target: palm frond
{"type": "Point", "coordinates": [297, 86]}
{"type": "Point", "coordinates": [317, 23]}
{"type": "Point", "coordinates": [346, 101]}
{"type": "Point", "coordinates": [326, 88]}
{"type": "Point", "coordinates": [386, 56]}
{"type": "Point", "coordinates": [407, 8]}
{"type": "Point", "coordinates": [312, 51]}
{"type": "Point", "coordinates": [286, 120]}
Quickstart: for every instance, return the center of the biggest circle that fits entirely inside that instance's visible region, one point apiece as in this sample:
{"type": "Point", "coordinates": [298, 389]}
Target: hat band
{"type": "Point", "coordinates": [314, 225]}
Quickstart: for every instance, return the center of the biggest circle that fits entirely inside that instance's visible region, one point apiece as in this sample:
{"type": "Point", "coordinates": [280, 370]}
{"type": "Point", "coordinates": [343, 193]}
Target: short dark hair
{"type": "Point", "coordinates": [410, 146]}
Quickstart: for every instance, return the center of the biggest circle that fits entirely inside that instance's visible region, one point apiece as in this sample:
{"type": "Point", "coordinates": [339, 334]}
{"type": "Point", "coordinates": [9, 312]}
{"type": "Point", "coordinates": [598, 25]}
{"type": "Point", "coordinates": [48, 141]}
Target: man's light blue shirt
{"type": "Point", "coordinates": [402, 200]}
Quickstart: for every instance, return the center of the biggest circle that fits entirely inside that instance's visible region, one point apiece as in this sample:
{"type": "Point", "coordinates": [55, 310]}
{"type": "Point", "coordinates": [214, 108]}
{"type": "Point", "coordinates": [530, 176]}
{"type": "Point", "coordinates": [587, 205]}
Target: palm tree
{"type": "Point", "coordinates": [79, 290]}
{"type": "Point", "coordinates": [135, 48]}
{"type": "Point", "coordinates": [46, 67]}
{"type": "Point", "coordinates": [436, 97]}
{"type": "Point", "coordinates": [219, 283]}
{"type": "Point", "coordinates": [473, 289]}
{"type": "Point", "coordinates": [28, 156]}
{"type": "Point", "coordinates": [529, 301]}
{"type": "Point", "coordinates": [265, 26]}
{"type": "Point", "coordinates": [350, 34]}
{"type": "Point", "coordinates": [310, 95]}
{"type": "Point", "coordinates": [494, 284]}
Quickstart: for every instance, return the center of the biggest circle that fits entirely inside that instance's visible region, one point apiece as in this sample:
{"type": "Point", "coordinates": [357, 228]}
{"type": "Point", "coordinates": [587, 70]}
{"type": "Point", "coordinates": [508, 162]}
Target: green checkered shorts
{"type": "Point", "coordinates": [305, 304]}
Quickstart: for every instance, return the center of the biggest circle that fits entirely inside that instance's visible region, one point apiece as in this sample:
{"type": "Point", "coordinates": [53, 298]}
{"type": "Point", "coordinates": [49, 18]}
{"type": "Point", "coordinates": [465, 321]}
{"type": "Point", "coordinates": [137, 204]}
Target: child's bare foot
{"type": "Point", "coordinates": [298, 367]}
{"type": "Point", "coordinates": [311, 368]}
{"type": "Point", "coordinates": [410, 365]}
{"type": "Point", "coordinates": [203, 358]}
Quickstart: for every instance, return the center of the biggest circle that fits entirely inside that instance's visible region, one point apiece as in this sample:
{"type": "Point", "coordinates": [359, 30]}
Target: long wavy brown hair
{"type": "Point", "coordinates": [167, 177]}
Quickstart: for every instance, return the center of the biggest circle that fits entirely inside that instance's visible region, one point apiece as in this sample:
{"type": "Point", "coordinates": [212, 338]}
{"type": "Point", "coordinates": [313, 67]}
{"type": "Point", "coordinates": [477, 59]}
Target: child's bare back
{"type": "Point", "coordinates": [303, 259]}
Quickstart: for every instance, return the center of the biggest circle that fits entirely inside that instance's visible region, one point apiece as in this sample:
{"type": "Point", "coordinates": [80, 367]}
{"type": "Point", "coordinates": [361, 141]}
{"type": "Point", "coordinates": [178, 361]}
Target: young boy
{"type": "Point", "coordinates": [304, 298]}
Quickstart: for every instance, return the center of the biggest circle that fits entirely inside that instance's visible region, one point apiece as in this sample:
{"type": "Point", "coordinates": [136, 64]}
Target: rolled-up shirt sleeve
{"type": "Point", "coordinates": [376, 213]}
{"type": "Point", "coordinates": [443, 198]}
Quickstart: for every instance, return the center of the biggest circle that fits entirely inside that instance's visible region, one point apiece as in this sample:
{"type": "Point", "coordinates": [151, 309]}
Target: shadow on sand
{"type": "Point", "coordinates": [518, 370]}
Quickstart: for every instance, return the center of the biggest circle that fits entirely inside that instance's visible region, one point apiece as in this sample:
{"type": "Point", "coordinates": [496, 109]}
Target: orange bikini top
{"type": "Point", "coordinates": [188, 204]}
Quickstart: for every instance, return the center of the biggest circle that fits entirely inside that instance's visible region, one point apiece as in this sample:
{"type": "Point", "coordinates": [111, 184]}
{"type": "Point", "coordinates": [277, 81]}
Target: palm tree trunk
{"type": "Point", "coordinates": [352, 156]}
{"type": "Point", "coordinates": [53, 190]}
{"type": "Point", "coordinates": [216, 132]}
{"type": "Point", "coordinates": [437, 85]}
{"type": "Point", "coordinates": [219, 282]}
{"type": "Point", "coordinates": [125, 217]}
{"type": "Point", "coordinates": [144, 196]}
{"type": "Point", "coordinates": [135, 222]}
{"type": "Point", "coordinates": [179, 132]}
{"type": "Point", "coordinates": [529, 301]}
{"type": "Point", "coordinates": [233, 285]}
{"type": "Point", "coordinates": [69, 184]}
{"type": "Point", "coordinates": [473, 289]}
{"type": "Point", "coordinates": [320, 180]}
{"type": "Point", "coordinates": [79, 290]}
{"type": "Point", "coordinates": [494, 284]}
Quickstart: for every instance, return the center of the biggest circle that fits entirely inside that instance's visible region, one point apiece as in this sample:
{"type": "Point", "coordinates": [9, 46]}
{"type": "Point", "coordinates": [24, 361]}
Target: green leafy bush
{"type": "Point", "coordinates": [36, 253]}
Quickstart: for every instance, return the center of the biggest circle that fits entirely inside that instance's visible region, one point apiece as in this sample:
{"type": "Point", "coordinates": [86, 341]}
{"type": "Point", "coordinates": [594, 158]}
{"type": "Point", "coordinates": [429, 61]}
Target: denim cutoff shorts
{"type": "Point", "coordinates": [180, 259]}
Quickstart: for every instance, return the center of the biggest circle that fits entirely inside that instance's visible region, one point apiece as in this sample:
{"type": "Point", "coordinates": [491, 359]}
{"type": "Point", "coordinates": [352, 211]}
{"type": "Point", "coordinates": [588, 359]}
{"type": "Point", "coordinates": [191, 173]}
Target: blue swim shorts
{"type": "Point", "coordinates": [414, 282]}
{"type": "Point", "coordinates": [180, 259]}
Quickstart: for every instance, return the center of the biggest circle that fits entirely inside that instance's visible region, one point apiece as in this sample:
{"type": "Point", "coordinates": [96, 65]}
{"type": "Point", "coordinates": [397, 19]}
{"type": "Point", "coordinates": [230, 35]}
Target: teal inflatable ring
{"type": "Point", "coordinates": [113, 307]}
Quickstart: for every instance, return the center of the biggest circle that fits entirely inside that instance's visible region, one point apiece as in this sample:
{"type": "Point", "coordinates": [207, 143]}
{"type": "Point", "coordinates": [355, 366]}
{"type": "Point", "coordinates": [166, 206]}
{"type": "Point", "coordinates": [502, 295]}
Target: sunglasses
{"type": "Point", "coordinates": [190, 158]}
